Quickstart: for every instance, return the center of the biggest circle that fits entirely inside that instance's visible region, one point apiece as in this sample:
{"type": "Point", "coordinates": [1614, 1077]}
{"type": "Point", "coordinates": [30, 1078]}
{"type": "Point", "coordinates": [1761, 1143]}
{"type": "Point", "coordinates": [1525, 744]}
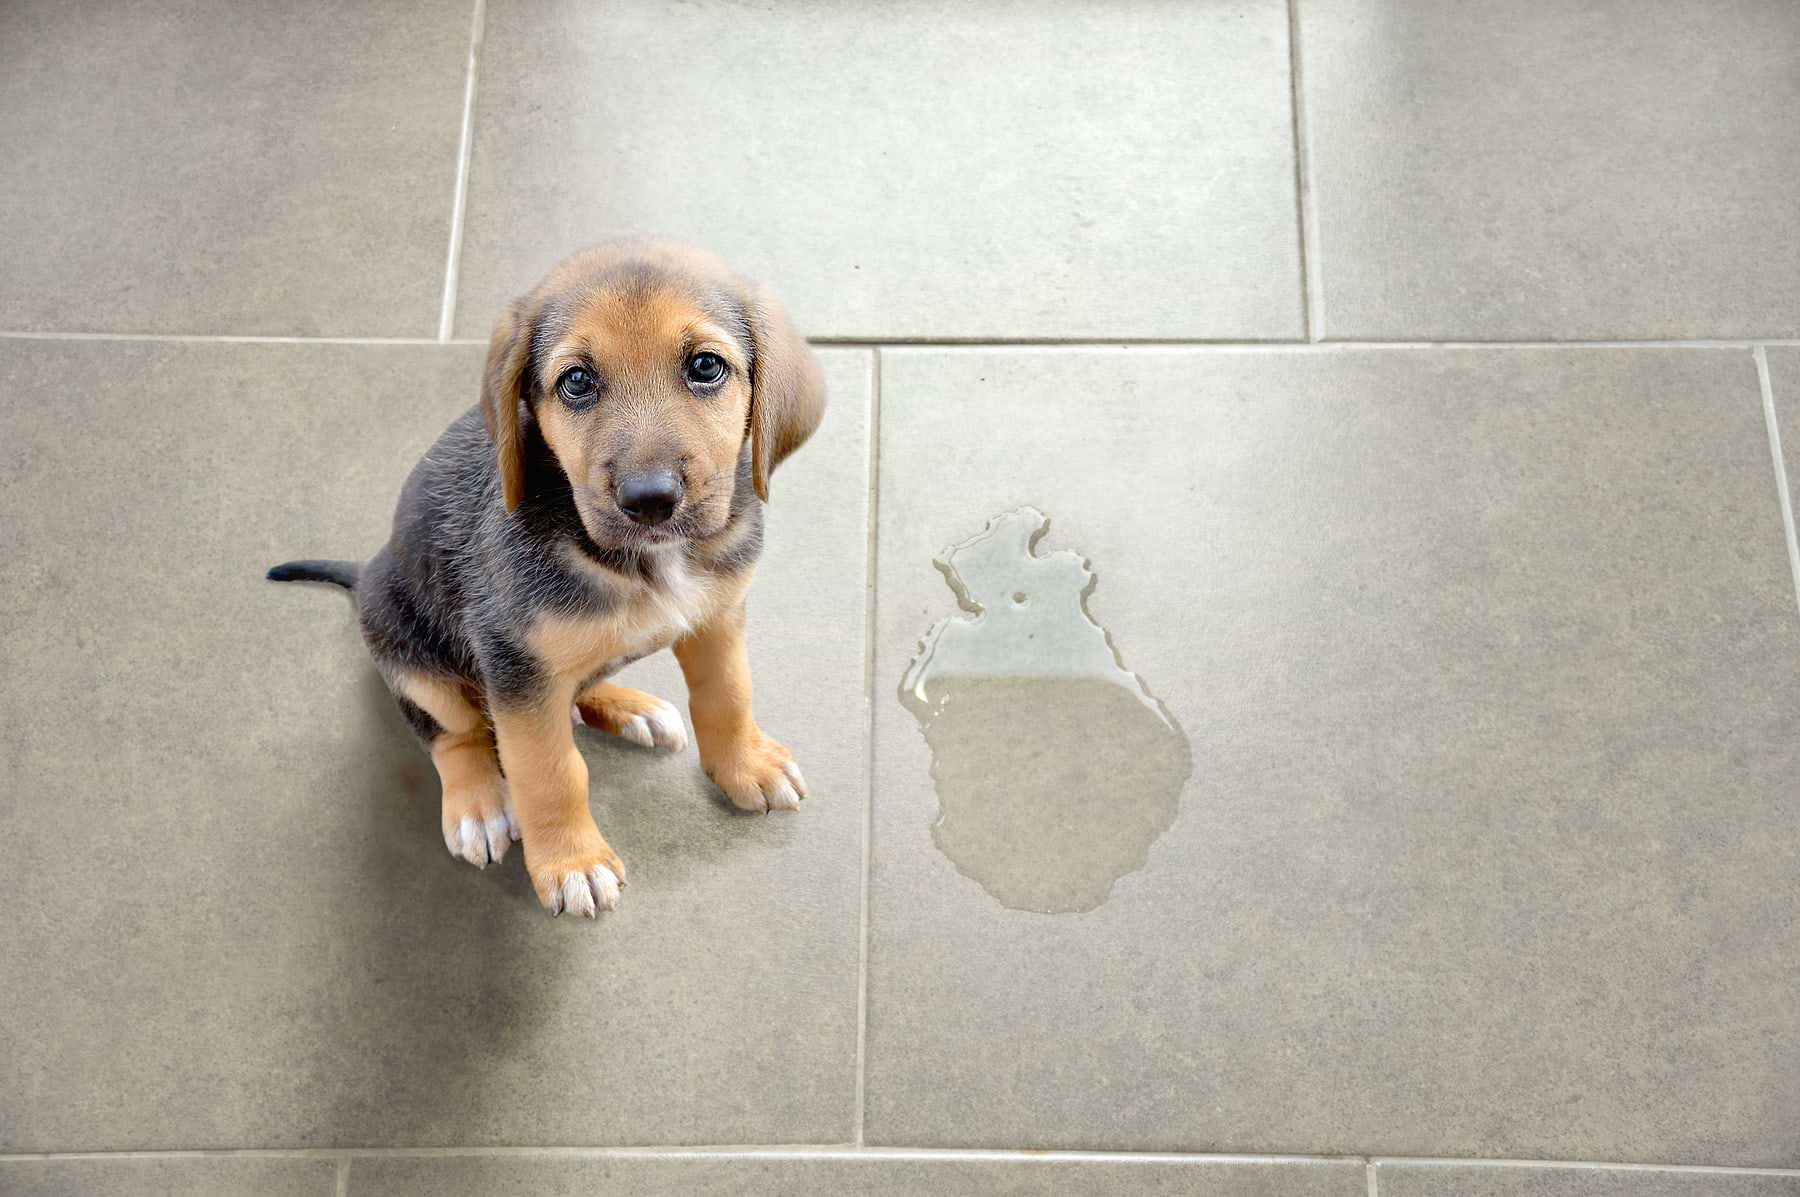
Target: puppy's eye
{"type": "Point", "coordinates": [577, 386]}
{"type": "Point", "coordinates": [706, 369]}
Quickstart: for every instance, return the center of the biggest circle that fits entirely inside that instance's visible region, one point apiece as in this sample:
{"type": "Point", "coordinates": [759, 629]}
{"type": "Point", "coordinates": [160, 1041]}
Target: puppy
{"type": "Point", "coordinates": [604, 501]}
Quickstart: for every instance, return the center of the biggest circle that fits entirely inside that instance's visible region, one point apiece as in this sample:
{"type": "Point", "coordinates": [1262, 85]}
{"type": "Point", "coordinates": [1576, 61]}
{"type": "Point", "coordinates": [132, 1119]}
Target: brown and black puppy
{"type": "Point", "coordinates": [603, 502]}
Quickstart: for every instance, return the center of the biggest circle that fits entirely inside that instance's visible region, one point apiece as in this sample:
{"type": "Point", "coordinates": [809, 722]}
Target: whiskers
{"type": "Point", "coordinates": [687, 522]}
{"type": "Point", "coordinates": [710, 486]}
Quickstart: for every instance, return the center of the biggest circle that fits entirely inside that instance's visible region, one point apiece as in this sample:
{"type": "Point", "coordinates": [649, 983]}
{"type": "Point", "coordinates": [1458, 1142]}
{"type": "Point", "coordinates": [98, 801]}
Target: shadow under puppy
{"type": "Point", "coordinates": [604, 501]}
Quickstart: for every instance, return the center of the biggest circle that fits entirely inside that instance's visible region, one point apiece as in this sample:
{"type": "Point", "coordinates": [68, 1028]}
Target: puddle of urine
{"type": "Point", "coordinates": [1055, 767]}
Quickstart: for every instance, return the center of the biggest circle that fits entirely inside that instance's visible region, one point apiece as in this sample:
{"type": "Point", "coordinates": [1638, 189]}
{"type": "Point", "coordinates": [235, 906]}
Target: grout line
{"type": "Point", "coordinates": [190, 1153]}
{"type": "Point", "coordinates": [1570, 343]}
{"type": "Point", "coordinates": [872, 573]}
{"type": "Point", "coordinates": [975, 344]}
{"type": "Point", "coordinates": [464, 148]}
{"type": "Point", "coordinates": [1309, 299]}
{"type": "Point", "coordinates": [1587, 1166]}
{"type": "Point", "coordinates": [754, 1151]}
{"type": "Point", "coordinates": [214, 339]}
{"type": "Point", "coordinates": [346, 1156]}
{"type": "Point", "coordinates": [343, 1177]}
{"type": "Point", "coordinates": [1326, 346]}
{"type": "Point", "coordinates": [1369, 1178]}
{"type": "Point", "coordinates": [1782, 487]}
{"type": "Point", "coordinates": [855, 341]}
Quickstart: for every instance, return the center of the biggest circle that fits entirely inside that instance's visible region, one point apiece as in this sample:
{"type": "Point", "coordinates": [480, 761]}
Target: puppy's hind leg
{"type": "Point", "coordinates": [644, 719]}
{"type": "Point", "coordinates": [478, 826]}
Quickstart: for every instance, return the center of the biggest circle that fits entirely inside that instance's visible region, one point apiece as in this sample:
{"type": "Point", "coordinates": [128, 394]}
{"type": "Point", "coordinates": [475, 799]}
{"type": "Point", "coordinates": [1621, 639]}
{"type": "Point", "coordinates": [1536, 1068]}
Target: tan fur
{"type": "Point", "coordinates": [468, 770]}
{"type": "Point", "coordinates": [574, 649]}
{"type": "Point", "coordinates": [638, 345]}
{"type": "Point", "coordinates": [444, 699]}
{"type": "Point", "coordinates": [789, 397]}
{"type": "Point", "coordinates": [606, 706]}
{"type": "Point", "coordinates": [508, 350]}
{"type": "Point", "coordinates": [549, 783]}
{"type": "Point", "coordinates": [733, 749]}
{"type": "Point", "coordinates": [717, 547]}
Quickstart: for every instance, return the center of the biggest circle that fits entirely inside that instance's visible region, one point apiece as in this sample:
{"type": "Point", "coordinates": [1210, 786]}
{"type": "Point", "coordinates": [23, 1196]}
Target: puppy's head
{"type": "Point", "coordinates": [647, 366]}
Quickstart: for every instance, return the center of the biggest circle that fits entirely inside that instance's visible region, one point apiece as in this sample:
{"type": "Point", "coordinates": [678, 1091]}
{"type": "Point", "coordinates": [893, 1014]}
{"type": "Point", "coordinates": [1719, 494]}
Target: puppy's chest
{"type": "Point", "coordinates": [639, 615]}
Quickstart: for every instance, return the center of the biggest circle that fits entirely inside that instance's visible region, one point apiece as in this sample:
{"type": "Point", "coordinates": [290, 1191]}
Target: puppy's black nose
{"type": "Point", "coordinates": [648, 498]}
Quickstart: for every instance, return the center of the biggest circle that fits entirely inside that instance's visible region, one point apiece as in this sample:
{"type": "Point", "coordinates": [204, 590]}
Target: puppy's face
{"type": "Point", "coordinates": [643, 394]}
{"type": "Point", "coordinates": [649, 369]}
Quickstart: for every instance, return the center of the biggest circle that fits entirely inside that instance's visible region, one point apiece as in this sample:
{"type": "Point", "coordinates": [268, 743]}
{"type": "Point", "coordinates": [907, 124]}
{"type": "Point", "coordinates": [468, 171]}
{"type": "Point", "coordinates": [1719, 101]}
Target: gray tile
{"type": "Point", "coordinates": [1463, 1180]}
{"type": "Point", "coordinates": [184, 1177]}
{"type": "Point", "coordinates": [1491, 668]}
{"type": "Point", "coordinates": [1784, 382]}
{"type": "Point", "coordinates": [210, 167]}
{"type": "Point", "coordinates": [874, 1174]}
{"type": "Point", "coordinates": [917, 169]}
{"type": "Point", "coordinates": [227, 888]}
{"type": "Point", "coordinates": [1537, 169]}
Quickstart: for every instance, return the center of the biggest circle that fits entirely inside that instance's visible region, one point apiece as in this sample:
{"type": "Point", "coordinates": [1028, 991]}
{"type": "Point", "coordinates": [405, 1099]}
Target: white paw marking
{"type": "Point", "coordinates": [606, 887]}
{"type": "Point", "coordinates": [499, 832]}
{"type": "Point", "coordinates": [575, 715]}
{"type": "Point", "coordinates": [467, 839]}
{"type": "Point", "coordinates": [781, 795]}
{"type": "Point", "coordinates": [659, 727]}
{"type": "Point", "coordinates": [665, 727]}
{"type": "Point", "coordinates": [481, 842]}
{"type": "Point", "coordinates": [781, 792]}
{"type": "Point", "coordinates": [586, 893]}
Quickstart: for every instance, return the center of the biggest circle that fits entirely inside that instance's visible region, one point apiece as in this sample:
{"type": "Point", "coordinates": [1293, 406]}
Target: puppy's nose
{"type": "Point", "coordinates": [648, 498]}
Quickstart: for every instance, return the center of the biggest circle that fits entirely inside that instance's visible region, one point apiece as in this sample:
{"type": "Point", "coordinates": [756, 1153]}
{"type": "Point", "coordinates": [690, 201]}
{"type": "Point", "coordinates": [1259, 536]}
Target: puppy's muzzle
{"type": "Point", "coordinates": [649, 498]}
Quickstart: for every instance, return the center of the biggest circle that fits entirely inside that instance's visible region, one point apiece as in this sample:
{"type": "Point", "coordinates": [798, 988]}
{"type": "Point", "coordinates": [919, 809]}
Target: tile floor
{"type": "Point", "coordinates": [1413, 376]}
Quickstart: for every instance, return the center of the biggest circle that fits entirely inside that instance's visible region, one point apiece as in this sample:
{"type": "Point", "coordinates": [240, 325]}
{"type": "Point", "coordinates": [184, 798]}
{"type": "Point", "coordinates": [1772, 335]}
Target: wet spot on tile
{"type": "Point", "coordinates": [1056, 769]}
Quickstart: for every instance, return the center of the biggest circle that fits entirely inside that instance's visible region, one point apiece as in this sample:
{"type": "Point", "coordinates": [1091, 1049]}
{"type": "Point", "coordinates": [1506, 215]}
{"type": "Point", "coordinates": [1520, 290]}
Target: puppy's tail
{"type": "Point", "coordinates": [338, 573]}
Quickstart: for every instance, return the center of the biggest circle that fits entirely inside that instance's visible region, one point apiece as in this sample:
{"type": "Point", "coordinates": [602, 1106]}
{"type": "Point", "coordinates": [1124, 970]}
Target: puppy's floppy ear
{"type": "Point", "coordinates": [787, 389]}
{"type": "Point", "coordinates": [508, 351]}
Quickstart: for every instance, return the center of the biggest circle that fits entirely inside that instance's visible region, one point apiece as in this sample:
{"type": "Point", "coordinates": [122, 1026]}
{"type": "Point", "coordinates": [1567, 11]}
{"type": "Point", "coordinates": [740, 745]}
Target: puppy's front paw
{"type": "Point", "coordinates": [477, 825]}
{"type": "Point", "coordinates": [644, 719]}
{"type": "Point", "coordinates": [586, 893]}
{"type": "Point", "coordinates": [758, 774]}
{"type": "Point", "coordinates": [584, 885]}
